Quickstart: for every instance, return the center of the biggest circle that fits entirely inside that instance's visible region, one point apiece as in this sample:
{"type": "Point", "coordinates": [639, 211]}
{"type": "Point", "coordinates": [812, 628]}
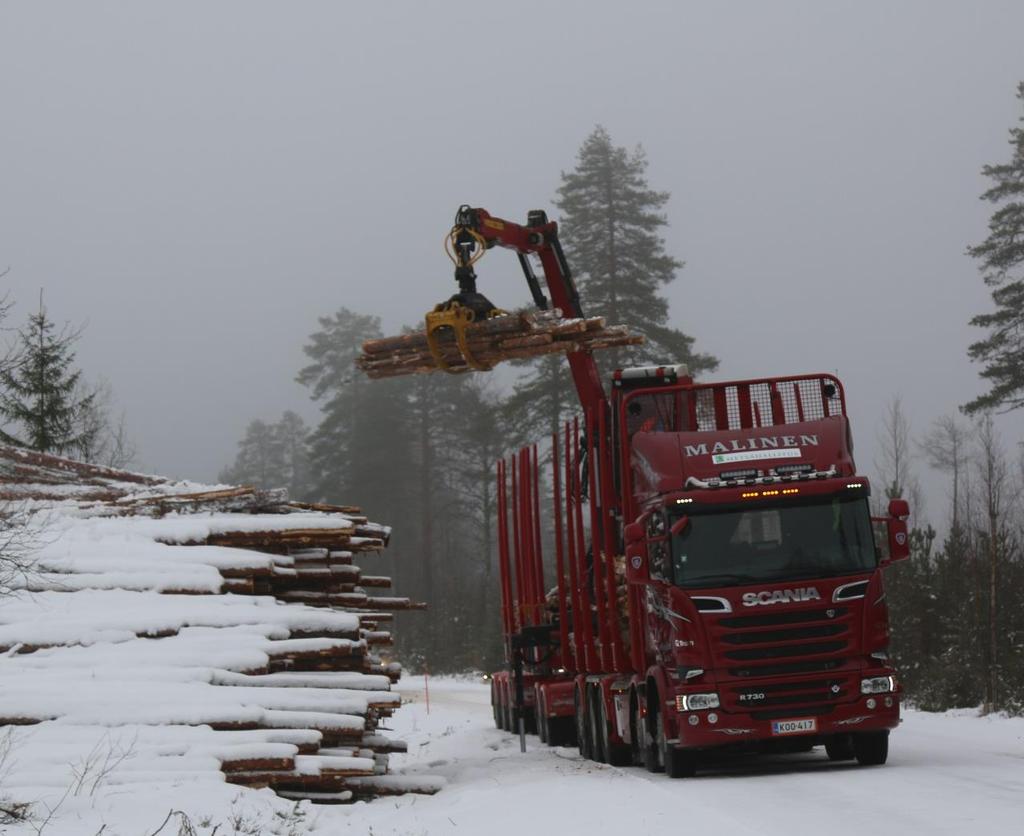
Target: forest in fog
{"type": "Point", "coordinates": [419, 453]}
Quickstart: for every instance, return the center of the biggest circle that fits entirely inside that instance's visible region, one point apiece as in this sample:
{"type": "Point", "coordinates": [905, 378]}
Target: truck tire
{"type": "Point", "coordinates": [582, 732]}
{"type": "Point", "coordinates": [496, 707]}
{"type": "Point", "coordinates": [597, 735]}
{"type": "Point", "coordinates": [678, 763]}
{"type": "Point", "coordinates": [636, 734]}
{"type": "Point", "coordinates": [542, 716]}
{"type": "Point", "coordinates": [871, 748]}
{"type": "Point", "coordinates": [509, 715]}
{"type": "Point", "coordinates": [652, 751]}
{"type": "Point", "coordinates": [839, 748]}
{"type": "Point", "coordinates": [561, 731]}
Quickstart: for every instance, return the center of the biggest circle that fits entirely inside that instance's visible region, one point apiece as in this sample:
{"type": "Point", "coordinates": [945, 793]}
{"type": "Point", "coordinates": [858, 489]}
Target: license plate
{"type": "Point", "coordinates": [794, 726]}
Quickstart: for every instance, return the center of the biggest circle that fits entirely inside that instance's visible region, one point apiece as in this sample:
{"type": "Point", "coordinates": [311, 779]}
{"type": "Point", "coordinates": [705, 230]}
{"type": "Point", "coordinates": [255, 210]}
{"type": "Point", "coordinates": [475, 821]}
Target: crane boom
{"type": "Point", "coordinates": [475, 231]}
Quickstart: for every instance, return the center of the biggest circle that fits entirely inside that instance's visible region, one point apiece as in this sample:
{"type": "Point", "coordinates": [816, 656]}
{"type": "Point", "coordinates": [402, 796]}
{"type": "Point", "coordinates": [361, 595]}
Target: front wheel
{"type": "Point", "coordinates": [678, 763]}
{"type": "Point", "coordinates": [839, 748]}
{"type": "Point", "coordinates": [871, 748]}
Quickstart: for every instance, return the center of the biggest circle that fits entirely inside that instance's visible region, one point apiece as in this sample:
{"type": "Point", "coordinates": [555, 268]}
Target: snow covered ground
{"type": "Point", "coordinates": [947, 774]}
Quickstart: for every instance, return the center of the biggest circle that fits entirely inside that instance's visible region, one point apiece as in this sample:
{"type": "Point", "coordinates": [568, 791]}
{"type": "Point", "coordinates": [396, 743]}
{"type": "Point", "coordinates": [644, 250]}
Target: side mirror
{"type": "Point", "coordinates": [896, 525]}
{"type": "Point", "coordinates": [637, 569]}
{"type": "Point", "coordinates": [899, 508]}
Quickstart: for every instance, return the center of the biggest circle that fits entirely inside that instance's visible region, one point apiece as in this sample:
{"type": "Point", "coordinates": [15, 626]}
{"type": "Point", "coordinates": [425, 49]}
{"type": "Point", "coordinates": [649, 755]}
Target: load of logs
{"type": "Point", "coordinates": [264, 634]}
{"type": "Point", "coordinates": [519, 336]}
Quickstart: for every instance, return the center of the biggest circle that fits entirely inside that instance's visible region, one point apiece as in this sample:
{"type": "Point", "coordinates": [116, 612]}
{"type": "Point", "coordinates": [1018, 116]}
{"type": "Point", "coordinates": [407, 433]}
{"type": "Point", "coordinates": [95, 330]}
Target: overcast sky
{"type": "Point", "coordinates": [199, 181]}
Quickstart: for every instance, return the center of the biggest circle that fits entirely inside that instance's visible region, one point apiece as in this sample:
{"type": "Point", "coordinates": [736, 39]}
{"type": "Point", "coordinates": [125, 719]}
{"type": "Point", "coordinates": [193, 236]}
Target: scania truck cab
{"type": "Point", "coordinates": [718, 580]}
{"type": "Point", "coordinates": [765, 619]}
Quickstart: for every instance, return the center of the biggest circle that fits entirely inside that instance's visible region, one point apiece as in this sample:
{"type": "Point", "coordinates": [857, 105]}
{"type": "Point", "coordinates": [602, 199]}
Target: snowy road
{"type": "Point", "coordinates": [947, 773]}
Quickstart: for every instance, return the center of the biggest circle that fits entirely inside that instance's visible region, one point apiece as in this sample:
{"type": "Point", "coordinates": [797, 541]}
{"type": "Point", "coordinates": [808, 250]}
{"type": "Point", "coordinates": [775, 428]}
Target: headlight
{"type": "Point", "coordinates": [878, 685]}
{"type": "Point", "coordinates": [696, 702]}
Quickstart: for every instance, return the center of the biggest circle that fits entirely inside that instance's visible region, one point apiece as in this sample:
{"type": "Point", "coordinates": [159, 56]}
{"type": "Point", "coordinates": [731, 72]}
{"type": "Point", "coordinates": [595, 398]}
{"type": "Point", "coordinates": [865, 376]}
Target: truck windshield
{"type": "Point", "coordinates": [809, 538]}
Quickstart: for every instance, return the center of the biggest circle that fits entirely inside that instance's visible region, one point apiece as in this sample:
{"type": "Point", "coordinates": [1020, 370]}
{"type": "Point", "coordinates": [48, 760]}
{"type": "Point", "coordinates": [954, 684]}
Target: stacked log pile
{"type": "Point", "coordinates": [518, 336]}
{"type": "Point", "coordinates": [211, 623]}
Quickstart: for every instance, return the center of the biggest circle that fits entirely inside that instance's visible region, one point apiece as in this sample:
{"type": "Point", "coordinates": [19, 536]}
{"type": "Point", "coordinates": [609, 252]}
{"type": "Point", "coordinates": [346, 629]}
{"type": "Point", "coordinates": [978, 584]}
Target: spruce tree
{"type": "Point", "coordinates": [611, 224]}
{"type": "Point", "coordinates": [258, 461]}
{"type": "Point", "coordinates": [1000, 257]}
{"type": "Point", "coordinates": [41, 401]}
{"type": "Point", "coordinates": [273, 456]}
{"type": "Point", "coordinates": [359, 449]}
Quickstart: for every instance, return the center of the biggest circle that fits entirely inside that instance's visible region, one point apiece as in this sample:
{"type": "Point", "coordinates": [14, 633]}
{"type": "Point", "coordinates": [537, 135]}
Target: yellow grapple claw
{"type": "Point", "coordinates": [456, 317]}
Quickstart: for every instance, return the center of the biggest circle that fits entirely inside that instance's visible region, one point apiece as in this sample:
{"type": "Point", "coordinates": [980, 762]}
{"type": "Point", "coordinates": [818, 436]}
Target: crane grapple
{"type": "Point", "coordinates": [467, 332]}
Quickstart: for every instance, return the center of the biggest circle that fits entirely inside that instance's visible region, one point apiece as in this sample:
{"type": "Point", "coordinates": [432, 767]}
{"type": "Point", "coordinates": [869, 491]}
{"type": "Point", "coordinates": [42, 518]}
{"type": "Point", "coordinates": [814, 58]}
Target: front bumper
{"type": "Point", "coordinates": [731, 728]}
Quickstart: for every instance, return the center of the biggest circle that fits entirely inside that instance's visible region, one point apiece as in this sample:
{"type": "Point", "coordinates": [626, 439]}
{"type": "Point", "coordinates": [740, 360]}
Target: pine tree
{"type": "Point", "coordinates": [291, 437]}
{"type": "Point", "coordinates": [1000, 256]}
{"type": "Point", "coordinates": [273, 456]}
{"type": "Point", "coordinates": [258, 461]}
{"type": "Point", "coordinates": [541, 400]}
{"type": "Point", "coordinates": [40, 393]}
{"type": "Point", "coordinates": [611, 223]}
{"type": "Point", "coordinates": [610, 228]}
{"type": "Point", "coordinates": [359, 449]}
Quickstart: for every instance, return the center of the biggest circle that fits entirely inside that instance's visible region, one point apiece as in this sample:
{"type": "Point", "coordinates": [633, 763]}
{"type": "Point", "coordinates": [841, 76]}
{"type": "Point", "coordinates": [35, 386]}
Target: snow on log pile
{"type": "Point", "coordinates": [194, 633]}
{"type": "Point", "coordinates": [510, 337]}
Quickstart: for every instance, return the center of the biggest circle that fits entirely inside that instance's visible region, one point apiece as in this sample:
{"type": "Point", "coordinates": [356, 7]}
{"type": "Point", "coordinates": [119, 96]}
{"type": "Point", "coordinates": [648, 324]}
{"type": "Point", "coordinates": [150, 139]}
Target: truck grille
{"type": "Point", "coordinates": [798, 641]}
{"type": "Point", "coordinates": [811, 696]}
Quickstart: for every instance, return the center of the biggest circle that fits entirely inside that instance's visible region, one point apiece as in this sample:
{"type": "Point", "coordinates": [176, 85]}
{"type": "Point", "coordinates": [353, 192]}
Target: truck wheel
{"type": "Point", "coordinates": [678, 763]}
{"type": "Point", "coordinates": [839, 748]}
{"type": "Point", "coordinates": [635, 731]}
{"type": "Point", "coordinates": [871, 748]}
{"type": "Point", "coordinates": [597, 735]}
{"type": "Point", "coordinates": [561, 731]}
{"type": "Point", "coordinates": [582, 733]}
{"type": "Point", "coordinates": [509, 715]}
{"type": "Point", "coordinates": [652, 748]}
{"type": "Point", "coordinates": [542, 716]}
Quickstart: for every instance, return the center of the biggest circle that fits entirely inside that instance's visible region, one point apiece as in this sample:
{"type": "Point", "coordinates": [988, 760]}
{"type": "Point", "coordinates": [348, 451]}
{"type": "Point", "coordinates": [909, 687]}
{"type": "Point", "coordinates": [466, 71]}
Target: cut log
{"type": "Point", "coordinates": [511, 337]}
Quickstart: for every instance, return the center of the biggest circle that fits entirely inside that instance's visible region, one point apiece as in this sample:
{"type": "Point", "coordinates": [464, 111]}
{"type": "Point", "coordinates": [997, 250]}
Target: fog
{"type": "Point", "coordinates": [199, 181]}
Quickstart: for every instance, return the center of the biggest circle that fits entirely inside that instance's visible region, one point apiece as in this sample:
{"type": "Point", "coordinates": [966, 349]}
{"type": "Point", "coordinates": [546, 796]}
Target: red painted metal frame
{"type": "Point", "coordinates": [538, 240]}
{"type": "Point", "coordinates": [538, 549]}
{"type": "Point", "coordinates": [589, 647]}
{"type": "Point", "coordinates": [563, 614]}
{"type": "Point", "coordinates": [578, 638]}
{"type": "Point", "coordinates": [596, 552]}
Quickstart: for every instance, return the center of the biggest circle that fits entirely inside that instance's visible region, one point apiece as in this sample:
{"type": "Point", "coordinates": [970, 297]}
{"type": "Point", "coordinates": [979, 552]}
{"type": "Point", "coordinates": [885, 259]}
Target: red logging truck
{"type": "Point", "coordinates": [716, 580]}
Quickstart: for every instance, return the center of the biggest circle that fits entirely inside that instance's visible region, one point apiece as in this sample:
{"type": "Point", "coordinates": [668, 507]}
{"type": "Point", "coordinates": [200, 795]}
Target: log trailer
{"type": "Point", "coordinates": [716, 582]}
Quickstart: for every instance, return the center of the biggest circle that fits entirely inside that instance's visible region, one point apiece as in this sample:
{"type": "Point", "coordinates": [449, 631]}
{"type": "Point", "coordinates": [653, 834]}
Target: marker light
{"type": "Point", "coordinates": [855, 485]}
{"type": "Point", "coordinates": [774, 492]}
{"type": "Point", "coordinates": [684, 501]}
